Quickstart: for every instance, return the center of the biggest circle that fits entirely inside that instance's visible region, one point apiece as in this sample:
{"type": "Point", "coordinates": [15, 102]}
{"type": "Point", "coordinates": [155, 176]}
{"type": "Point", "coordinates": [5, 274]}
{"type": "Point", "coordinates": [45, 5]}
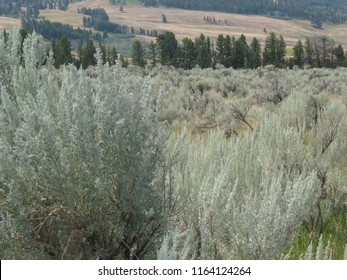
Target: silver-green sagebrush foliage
{"type": "Point", "coordinates": [90, 167]}
{"type": "Point", "coordinates": [81, 162]}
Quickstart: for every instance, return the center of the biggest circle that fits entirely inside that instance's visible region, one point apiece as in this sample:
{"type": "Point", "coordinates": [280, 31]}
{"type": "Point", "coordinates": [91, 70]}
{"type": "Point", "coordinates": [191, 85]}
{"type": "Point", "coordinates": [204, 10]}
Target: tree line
{"type": "Point", "coordinates": [14, 8]}
{"type": "Point", "coordinates": [84, 54]}
{"type": "Point", "coordinates": [226, 50]}
{"type": "Point", "coordinates": [237, 53]}
{"type": "Point", "coordinates": [56, 30]}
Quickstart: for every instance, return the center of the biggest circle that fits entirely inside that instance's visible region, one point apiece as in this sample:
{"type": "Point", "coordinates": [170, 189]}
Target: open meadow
{"type": "Point", "coordinates": [8, 23]}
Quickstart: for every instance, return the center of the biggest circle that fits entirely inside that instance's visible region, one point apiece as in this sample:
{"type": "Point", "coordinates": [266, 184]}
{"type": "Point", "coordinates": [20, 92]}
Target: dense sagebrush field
{"type": "Point", "coordinates": [162, 163]}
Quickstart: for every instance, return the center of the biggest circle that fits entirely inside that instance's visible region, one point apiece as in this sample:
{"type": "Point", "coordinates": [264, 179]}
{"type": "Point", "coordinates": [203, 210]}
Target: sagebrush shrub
{"type": "Point", "coordinates": [81, 160]}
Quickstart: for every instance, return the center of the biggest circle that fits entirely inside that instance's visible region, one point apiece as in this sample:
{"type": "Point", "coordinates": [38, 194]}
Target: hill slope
{"type": "Point", "coordinates": [187, 23]}
{"type": "Point", "coordinates": [334, 11]}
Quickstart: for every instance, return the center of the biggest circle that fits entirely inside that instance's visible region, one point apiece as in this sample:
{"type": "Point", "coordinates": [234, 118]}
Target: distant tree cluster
{"type": "Point", "coordinates": [96, 14]}
{"type": "Point", "coordinates": [226, 50]}
{"type": "Point", "coordinates": [99, 20]}
{"type": "Point", "coordinates": [55, 30]}
{"type": "Point", "coordinates": [14, 8]}
{"type": "Point", "coordinates": [334, 11]}
{"type": "Point", "coordinates": [62, 53]}
{"type": "Point", "coordinates": [210, 19]}
{"type": "Point", "coordinates": [145, 32]}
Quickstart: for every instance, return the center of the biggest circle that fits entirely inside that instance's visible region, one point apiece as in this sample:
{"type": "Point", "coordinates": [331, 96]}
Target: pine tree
{"type": "Point", "coordinates": [274, 50]}
{"type": "Point", "coordinates": [280, 52]}
{"type": "Point", "coordinates": [87, 55]}
{"type": "Point", "coordinates": [204, 51]}
{"type": "Point", "coordinates": [239, 52]}
{"type": "Point", "coordinates": [309, 52]}
{"type": "Point", "coordinates": [299, 54]}
{"type": "Point", "coordinates": [340, 56]}
{"type": "Point", "coordinates": [167, 46]}
{"type": "Point", "coordinates": [138, 54]}
{"type": "Point", "coordinates": [228, 50]}
{"type": "Point", "coordinates": [62, 52]}
{"type": "Point", "coordinates": [220, 50]}
{"type": "Point", "coordinates": [188, 52]}
{"type": "Point", "coordinates": [103, 52]}
{"type": "Point", "coordinates": [269, 53]}
{"type": "Point", "coordinates": [152, 53]}
{"type": "Point", "coordinates": [164, 18]}
{"type": "Point", "coordinates": [255, 54]}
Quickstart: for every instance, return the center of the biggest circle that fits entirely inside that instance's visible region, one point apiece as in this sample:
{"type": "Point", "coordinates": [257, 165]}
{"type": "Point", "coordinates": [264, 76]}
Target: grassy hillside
{"type": "Point", "coordinates": [186, 23]}
{"type": "Point", "coordinates": [8, 23]}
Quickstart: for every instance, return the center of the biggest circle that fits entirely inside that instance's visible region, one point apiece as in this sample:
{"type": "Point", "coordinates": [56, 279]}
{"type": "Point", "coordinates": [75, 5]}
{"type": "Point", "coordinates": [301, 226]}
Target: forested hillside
{"type": "Point", "coordinates": [30, 8]}
{"type": "Point", "coordinates": [317, 11]}
{"type": "Point", "coordinates": [165, 163]}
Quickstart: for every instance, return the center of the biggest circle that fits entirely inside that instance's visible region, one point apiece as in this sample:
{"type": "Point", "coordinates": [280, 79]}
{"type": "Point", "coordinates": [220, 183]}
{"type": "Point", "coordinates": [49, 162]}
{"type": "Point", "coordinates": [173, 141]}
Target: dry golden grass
{"type": "Point", "coordinates": [9, 23]}
{"type": "Point", "coordinates": [71, 18]}
{"type": "Point", "coordinates": [186, 23]}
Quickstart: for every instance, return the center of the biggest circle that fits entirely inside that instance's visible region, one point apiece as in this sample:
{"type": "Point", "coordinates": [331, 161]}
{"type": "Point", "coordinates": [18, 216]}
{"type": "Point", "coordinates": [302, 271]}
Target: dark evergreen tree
{"type": "Point", "coordinates": [164, 18]}
{"type": "Point", "coordinates": [167, 46]}
{"type": "Point", "coordinates": [203, 51]}
{"type": "Point", "coordinates": [274, 50]}
{"type": "Point", "coordinates": [220, 49]}
{"type": "Point", "coordinates": [269, 53]}
{"type": "Point", "coordinates": [87, 55]}
{"type": "Point", "coordinates": [62, 52]}
{"type": "Point", "coordinates": [152, 53]}
{"type": "Point", "coordinates": [227, 48]}
{"type": "Point", "coordinates": [103, 52]}
{"type": "Point", "coordinates": [340, 56]}
{"type": "Point", "coordinates": [280, 52]}
{"type": "Point", "coordinates": [188, 52]}
{"type": "Point", "coordinates": [239, 53]}
{"type": "Point", "coordinates": [309, 52]}
{"type": "Point", "coordinates": [138, 54]}
{"type": "Point", "coordinates": [255, 54]}
{"type": "Point", "coordinates": [298, 54]}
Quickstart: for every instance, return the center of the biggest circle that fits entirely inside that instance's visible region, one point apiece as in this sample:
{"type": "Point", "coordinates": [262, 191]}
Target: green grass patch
{"type": "Point", "coordinates": [336, 232]}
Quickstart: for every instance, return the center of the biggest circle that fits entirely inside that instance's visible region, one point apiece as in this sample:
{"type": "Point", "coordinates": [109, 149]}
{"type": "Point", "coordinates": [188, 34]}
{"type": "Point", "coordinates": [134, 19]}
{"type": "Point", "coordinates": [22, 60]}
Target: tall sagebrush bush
{"type": "Point", "coordinates": [240, 200]}
{"type": "Point", "coordinates": [81, 161]}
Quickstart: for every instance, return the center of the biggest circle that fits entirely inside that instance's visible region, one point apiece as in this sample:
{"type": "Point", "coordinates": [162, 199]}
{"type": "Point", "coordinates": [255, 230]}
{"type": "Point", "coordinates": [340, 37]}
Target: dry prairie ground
{"type": "Point", "coordinates": [71, 18]}
{"type": "Point", "coordinates": [186, 23]}
{"type": "Point", "coordinates": [8, 23]}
